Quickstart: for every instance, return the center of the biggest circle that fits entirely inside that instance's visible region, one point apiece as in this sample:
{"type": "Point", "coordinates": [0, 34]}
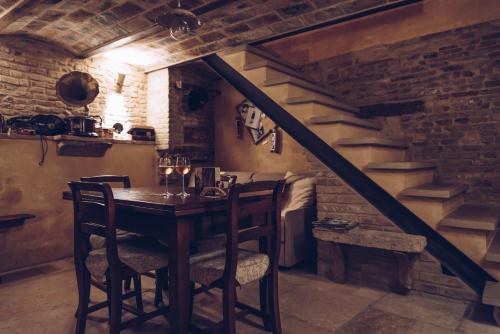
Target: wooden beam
{"type": "Point", "coordinates": [13, 13]}
{"type": "Point", "coordinates": [120, 41]}
{"type": "Point", "coordinates": [134, 37]}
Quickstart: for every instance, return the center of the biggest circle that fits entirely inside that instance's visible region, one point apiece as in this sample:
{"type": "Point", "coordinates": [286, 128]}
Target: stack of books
{"type": "Point", "coordinates": [335, 224]}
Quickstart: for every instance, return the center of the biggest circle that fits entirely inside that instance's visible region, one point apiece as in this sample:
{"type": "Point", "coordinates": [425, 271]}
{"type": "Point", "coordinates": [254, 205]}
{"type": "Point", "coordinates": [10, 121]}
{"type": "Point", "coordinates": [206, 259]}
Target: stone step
{"type": "Point", "coordinates": [323, 101]}
{"type": "Point", "coordinates": [491, 294]}
{"type": "Point", "coordinates": [493, 253]}
{"type": "Point", "coordinates": [335, 119]}
{"type": "Point", "coordinates": [397, 176]}
{"type": "Point", "coordinates": [372, 141]}
{"type": "Point", "coordinates": [402, 166]}
{"type": "Point", "coordinates": [279, 67]}
{"type": "Point", "coordinates": [475, 217]}
{"type": "Point", "coordinates": [436, 190]}
{"type": "Point", "coordinates": [332, 128]}
{"type": "Point", "coordinates": [261, 53]}
{"type": "Point", "coordinates": [289, 80]}
{"type": "Point", "coordinates": [305, 111]}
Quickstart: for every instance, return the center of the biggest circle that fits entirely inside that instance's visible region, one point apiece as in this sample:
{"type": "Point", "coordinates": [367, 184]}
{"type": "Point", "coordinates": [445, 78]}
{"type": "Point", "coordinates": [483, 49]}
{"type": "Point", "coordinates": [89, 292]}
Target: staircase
{"type": "Point", "coordinates": [471, 228]}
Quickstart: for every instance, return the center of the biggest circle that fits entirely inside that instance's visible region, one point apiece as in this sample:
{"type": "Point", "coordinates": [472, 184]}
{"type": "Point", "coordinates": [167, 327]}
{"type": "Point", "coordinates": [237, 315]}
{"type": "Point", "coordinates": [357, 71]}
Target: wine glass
{"type": "Point", "coordinates": [166, 165]}
{"type": "Point", "coordinates": [182, 166]}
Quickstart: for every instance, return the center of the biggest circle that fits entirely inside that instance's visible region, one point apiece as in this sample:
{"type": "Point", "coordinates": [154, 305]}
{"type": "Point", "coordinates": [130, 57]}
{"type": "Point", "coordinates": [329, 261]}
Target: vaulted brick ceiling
{"type": "Point", "coordinates": [84, 27]}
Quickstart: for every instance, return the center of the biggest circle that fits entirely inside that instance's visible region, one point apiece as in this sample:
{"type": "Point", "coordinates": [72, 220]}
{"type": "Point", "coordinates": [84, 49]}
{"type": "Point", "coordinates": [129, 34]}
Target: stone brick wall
{"type": "Point", "coordinates": [30, 69]}
{"type": "Point", "coordinates": [456, 74]}
{"type": "Point", "coordinates": [191, 132]}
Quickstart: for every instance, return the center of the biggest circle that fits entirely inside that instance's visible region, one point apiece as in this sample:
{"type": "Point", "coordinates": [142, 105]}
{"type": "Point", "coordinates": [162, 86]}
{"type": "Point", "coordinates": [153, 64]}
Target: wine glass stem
{"type": "Point", "coordinates": [182, 183]}
{"type": "Point", "coordinates": [166, 184]}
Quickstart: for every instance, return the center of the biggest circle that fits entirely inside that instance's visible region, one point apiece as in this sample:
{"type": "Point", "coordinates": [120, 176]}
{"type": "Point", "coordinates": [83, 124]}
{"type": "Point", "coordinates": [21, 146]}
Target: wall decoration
{"type": "Point", "coordinates": [252, 116]}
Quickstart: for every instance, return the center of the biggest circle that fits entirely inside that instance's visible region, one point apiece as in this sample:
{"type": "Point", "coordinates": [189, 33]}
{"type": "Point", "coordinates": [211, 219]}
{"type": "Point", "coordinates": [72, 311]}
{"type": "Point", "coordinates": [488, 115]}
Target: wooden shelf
{"type": "Point", "coordinates": [13, 220]}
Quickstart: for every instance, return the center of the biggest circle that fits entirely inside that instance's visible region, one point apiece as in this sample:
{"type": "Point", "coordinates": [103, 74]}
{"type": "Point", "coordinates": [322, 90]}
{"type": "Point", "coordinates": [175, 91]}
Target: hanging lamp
{"type": "Point", "coordinates": [179, 21]}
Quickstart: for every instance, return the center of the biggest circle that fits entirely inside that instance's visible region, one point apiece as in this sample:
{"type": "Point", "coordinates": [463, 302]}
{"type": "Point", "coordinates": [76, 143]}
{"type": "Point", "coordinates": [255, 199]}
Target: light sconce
{"type": "Point", "coordinates": [119, 82]}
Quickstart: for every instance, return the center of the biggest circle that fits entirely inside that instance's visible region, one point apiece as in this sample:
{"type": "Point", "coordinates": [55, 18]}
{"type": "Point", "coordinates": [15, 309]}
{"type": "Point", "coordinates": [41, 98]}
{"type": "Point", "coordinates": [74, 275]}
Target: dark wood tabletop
{"type": "Point", "coordinates": [148, 200]}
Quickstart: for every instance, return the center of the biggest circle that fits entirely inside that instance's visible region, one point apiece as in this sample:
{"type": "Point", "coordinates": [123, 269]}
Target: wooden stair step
{"type": "Point", "coordinates": [335, 119]}
{"type": "Point", "coordinates": [405, 166]}
{"type": "Point", "coordinates": [278, 67]}
{"type": "Point", "coordinates": [477, 217]}
{"type": "Point", "coordinates": [491, 294]}
{"type": "Point", "coordinates": [372, 141]}
{"type": "Point", "coordinates": [436, 190]}
{"type": "Point", "coordinates": [261, 53]}
{"type": "Point", "coordinates": [493, 253]}
{"type": "Point", "coordinates": [286, 79]}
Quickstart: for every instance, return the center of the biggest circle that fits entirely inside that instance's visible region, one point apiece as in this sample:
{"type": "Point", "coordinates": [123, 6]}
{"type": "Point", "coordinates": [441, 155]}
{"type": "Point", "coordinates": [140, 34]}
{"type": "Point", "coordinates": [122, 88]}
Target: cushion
{"type": "Point", "coordinates": [141, 255]}
{"type": "Point", "coordinates": [96, 241]}
{"type": "Point", "coordinates": [208, 267]}
{"type": "Point", "coordinates": [300, 192]}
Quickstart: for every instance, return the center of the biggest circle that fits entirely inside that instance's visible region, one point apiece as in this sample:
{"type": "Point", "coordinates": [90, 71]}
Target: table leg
{"type": "Point", "coordinates": [178, 243]}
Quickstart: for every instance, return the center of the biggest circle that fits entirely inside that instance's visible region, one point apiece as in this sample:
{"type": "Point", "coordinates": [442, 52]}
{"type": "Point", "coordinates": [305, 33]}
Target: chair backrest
{"type": "Point", "coordinates": [262, 202]}
{"type": "Point", "coordinates": [93, 214]}
{"type": "Point", "coordinates": [124, 179]}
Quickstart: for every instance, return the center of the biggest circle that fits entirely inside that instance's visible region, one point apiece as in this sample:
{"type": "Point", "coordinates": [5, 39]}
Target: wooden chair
{"type": "Point", "coordinates": [115, 262]}
{"type": "Point", "coordinates": [98, 242]}
{"type": "Point", "coordinates": [230, 267]}
{"type": "Point", "coordinates": [95, 240]}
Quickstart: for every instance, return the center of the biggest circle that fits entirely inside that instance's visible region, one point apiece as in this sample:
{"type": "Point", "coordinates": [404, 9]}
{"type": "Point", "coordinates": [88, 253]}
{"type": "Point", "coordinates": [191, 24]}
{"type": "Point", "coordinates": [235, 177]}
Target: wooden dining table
{"type": "Point", "coordinates": [143, 210]}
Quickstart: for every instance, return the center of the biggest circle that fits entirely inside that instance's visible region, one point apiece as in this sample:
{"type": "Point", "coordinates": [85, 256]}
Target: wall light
{"type": "Point", "coordinates": [119, 83]}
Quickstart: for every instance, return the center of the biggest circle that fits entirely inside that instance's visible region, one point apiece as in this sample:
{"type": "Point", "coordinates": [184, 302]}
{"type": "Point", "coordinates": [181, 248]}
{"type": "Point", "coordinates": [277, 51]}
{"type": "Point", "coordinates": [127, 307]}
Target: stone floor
{"type": "Point", "coordinates": [41, 300]}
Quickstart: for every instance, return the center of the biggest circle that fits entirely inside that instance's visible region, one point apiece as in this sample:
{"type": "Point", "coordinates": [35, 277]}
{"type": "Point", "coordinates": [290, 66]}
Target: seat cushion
{"type": "Point", "coordinates": [300, 192]}
{"type": "Point", "coordinates": [96, 241]}
{"type": "Point", "coordinates": [141, 255]}
{"type": "Point", "coordinates": [208, 267]}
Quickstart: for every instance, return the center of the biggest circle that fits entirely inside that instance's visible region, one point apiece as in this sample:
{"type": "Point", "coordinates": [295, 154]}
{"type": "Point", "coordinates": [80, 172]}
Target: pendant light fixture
{"type": "Point", "coordinates": [179, 21]}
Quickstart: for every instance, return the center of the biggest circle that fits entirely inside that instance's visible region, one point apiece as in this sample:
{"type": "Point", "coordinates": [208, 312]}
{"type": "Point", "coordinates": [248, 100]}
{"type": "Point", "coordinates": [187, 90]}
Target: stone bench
{"type": "Point", "coordinates": [403, 246]}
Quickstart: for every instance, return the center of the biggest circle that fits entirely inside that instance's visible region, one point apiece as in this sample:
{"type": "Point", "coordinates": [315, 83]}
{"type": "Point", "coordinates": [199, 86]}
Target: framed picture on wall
{"type": "Point", "coordinates": [252, 118]}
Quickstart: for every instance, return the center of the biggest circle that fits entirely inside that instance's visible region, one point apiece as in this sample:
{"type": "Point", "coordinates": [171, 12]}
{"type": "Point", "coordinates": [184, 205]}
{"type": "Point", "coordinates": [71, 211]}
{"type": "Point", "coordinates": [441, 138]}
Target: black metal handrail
{"type": "Point", "coordinates": [450, 256]}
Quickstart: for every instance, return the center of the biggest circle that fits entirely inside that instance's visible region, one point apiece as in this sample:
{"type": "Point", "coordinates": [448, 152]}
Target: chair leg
{"type": "Point", "coordinates": [229, 300]}
{"type": "Point", "coordinates": [264, 303]}
{"type": "Point", "coordinates": [138, 292]}
{"type": "Point", "coordinates": [115, 304]}
{"type": "Point", "coordinates": [159, 280]}
{"type": "Point", "coordinates": [127, 283]}
{"type": "Point", "coordinates": [274, 307]}
{"type": "Point", "coordinates": [191, 299]}
{"type": "Point", "coordinates": [164, 277]}
{"type": "Point", "coordinates": [83, 281]}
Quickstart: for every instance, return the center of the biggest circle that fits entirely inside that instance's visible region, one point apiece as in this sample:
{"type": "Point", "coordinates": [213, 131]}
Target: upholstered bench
{"type": "Point", "coordinates": [403, 246]}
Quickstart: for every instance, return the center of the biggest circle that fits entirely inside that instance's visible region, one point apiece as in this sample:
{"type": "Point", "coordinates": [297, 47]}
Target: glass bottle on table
{"type": "Point", "coordinates": [166, 165]}
{"type": "Point", "coordinates": [182, 166]}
